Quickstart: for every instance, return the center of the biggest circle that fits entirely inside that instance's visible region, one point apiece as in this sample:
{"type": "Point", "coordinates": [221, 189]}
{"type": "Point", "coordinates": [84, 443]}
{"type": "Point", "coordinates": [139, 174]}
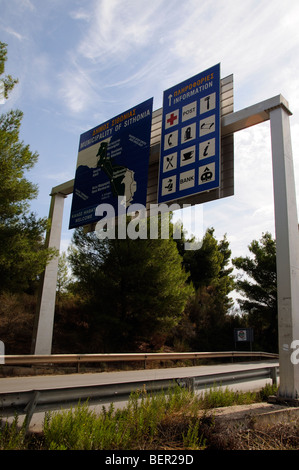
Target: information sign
{"type": "Point", "coordinates": [113, 160]}
{"type": "Point", "coordinates": [190, 142]}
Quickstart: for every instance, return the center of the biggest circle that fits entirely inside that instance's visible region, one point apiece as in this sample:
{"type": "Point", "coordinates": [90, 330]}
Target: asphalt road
{"type": "Point", "coordinates": [14, 384]}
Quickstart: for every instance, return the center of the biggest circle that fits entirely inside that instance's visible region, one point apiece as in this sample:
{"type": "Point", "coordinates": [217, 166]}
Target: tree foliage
{"type": "Point", "coordinates": [62, 274]}
{"type": "Point", "coordinates": [22, 254]}
{"type": "Point", "coordinates": [7, 80]}
{"type": "Point", "coordinates": [136, 289]}
{"type": "Point", "coordinates": [16, 158]}
{"type": "Point", "coordinates": [259, 289]}
{"type": "Point", "coordinates": [212, 277]}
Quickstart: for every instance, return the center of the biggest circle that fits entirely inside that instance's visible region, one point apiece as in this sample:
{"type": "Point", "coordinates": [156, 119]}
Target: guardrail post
{"type": "Point", "coordinates": [30, 408]}
{"type": "Point", "coordinates": [188, 383]}
{"type": "Point", "coordinates": [273, 375]}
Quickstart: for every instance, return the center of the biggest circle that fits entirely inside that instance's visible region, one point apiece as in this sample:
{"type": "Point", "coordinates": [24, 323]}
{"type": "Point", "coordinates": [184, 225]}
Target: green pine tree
{"type": "Point", "coordinates": [136, 290]}
{"type": "Point", "coordinates": [258, 286]}
{"type": "Point", "coordinates": [22, 254]}
{"type": "Point", "coordinates": [211, 274]}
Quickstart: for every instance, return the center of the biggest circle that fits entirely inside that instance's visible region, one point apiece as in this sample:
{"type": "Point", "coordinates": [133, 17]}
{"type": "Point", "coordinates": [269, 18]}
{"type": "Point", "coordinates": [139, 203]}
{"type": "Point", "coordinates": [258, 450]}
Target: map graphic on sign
{"type": "Point", "coordinates": [112, 162]}
{"type": "Point", "coordinates": [190, 141]}
{"type": "Point", "coordinates": [121, 179]}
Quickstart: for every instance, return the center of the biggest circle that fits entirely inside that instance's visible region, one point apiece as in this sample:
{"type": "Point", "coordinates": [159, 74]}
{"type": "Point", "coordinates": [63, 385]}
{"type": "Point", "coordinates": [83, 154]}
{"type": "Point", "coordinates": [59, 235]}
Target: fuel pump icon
{"type": "Point", "coordinates": [187, 135]}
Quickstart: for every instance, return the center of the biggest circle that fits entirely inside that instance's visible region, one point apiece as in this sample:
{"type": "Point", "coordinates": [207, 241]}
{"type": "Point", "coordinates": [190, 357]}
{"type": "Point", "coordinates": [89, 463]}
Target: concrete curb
{"type": "Point", "coordinates": [254, 415]}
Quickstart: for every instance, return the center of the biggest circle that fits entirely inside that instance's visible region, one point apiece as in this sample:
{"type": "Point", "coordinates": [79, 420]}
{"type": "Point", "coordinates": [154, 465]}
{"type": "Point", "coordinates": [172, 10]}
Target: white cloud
{"type": "Point", "coordinates": [80, 14]}
{"type": "Point", "coordinates": [251, 39]}
{"type": "Point", "coordinates": [28, 4]}
{"type": "Point", "coordinates": [14, 33]}
{"type": "Point", "coordinates": [74, 91]}
{"type": "Point", "coordinates": [159, 44]}
{"type": "Point", "coordinates": [117, 27]}
{"type": "Point", "coordinates": [95, 72]}
{"type": "Point", "coordinates": [250, 211]}
{"type": "Point", "coordinates": [109, 33]}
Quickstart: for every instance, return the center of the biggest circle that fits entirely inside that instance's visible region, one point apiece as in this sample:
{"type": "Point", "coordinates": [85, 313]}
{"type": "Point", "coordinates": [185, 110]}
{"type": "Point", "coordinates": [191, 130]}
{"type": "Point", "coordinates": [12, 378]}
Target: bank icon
{"type": "Point", "coordinates": [187, 180]}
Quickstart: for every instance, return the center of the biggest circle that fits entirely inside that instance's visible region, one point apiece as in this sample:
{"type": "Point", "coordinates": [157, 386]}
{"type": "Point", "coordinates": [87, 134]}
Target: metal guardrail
{"type": "Point", "coordinates": [32, 401]}
{"type": "Point", "coordinates": [128, 357]}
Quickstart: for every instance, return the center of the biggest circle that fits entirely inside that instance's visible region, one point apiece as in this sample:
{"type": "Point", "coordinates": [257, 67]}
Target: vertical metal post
{"type": "Point", "coordinates": [273, 374]}
{"type": "Point", "coordinates": [287, 249]}
{"type": "Point", "coordinates": [44, 321]}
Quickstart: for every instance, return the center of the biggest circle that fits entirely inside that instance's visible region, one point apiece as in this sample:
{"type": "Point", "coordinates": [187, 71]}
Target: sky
{"type": "Point", "coordinates": [82, 62]}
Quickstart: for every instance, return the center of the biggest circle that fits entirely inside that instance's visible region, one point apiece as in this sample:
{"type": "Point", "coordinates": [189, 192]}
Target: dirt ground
{"type": "Point", "coordinates": [251, 427]}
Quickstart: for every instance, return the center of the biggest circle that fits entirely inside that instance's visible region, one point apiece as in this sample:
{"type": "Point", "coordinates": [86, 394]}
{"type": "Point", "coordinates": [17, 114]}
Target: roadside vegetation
{"type": "Point", "coordinates": [176, 420]}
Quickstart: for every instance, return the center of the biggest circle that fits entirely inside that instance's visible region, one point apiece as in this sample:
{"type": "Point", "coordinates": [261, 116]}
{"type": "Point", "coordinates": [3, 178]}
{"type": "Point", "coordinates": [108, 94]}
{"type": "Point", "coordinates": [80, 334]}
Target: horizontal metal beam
{"type": "Point", "coordinates": [226, 378]}
{"type": "Point", "coordinates": [127, 357]}
{"type": "Point", "coordinates": [64, 188]}
{"type": "Point", "coordinates": [252, 115]}
{"type": "Point", "coordinates": [71, 394]}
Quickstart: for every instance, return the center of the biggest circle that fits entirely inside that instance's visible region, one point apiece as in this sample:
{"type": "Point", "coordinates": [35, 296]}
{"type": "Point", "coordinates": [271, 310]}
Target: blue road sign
{"type": "Point", "coordinates": [190, 141]}
{"type": "Point", "coordinates": [113, 160]}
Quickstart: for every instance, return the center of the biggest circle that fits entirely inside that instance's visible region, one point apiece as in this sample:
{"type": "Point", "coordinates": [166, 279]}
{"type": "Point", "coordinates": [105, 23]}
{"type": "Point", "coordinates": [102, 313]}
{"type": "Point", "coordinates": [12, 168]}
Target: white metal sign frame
{"type": "Point", "coordinates": [276, 110]}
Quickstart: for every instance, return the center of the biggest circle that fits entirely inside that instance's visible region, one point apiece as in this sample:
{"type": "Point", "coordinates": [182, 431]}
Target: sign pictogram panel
{"type": "Point", "coordinates": [190, 142]}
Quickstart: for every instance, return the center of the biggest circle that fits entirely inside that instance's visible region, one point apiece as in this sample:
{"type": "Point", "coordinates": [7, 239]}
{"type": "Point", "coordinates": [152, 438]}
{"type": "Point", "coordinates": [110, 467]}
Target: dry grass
{"type": "Point", "coordinates": [178, 420]}
{"type": "Point", "coordinates": [283, 436]}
